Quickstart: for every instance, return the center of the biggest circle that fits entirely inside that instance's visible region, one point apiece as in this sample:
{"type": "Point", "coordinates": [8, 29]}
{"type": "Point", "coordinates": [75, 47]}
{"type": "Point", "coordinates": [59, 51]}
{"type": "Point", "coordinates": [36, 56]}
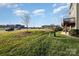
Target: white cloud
{"type": "Point", "coordinates": [12, 5]}
{"type": "Point", "coordinates": [54, 5]}
{"type": "Point", "coordinates": [20, 12]}
{"type": "Point", "coordinates": [3, 4]}
{"type": "Point", "coordinates": [57, 10]}
{"type": "Point", "coordinates": [8, 5]}
{"type": "Point", "coordinates": [39, 12]}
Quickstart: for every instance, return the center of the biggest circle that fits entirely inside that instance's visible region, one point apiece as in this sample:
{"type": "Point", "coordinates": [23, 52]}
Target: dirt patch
{"type": "Point", "coordinates": [22, 34]}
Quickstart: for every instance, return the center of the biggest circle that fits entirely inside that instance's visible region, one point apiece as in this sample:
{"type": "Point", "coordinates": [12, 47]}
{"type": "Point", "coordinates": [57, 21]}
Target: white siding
{"type": "Point", "coordinates": [73, 13]}
{"type": "Point", "coordinates": [77, 16]}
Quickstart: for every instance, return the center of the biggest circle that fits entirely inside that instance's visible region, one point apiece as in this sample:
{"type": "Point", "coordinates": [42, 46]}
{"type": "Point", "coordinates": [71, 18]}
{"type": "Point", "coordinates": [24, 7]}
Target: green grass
{"type": "Point", "coordinates": [37, 43]}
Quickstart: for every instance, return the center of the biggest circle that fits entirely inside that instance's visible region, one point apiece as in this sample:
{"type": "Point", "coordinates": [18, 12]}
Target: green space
{"type": "Point", "coordinates": [37, 43]}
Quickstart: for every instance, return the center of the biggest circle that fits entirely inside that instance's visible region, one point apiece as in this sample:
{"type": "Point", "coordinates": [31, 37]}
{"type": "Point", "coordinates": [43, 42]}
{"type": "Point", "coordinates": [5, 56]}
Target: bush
{"type": "Point", "coordinates": [74, 32]}
{"type": "Point", "coordinates": [9, 29]}
{"type": "Point", "coordinates": [58, 29]}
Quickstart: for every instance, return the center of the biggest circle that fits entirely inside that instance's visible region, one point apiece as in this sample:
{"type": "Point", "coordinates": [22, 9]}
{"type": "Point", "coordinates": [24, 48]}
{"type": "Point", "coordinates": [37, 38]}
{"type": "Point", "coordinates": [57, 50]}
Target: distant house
{"type": "Point", "coordinates": [72, 22]}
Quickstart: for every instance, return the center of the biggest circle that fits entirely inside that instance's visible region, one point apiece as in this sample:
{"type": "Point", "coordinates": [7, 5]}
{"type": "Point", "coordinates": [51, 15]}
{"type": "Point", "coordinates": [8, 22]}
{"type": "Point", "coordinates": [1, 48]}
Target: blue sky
{"type": "Point", "coordinates": [40, 13]}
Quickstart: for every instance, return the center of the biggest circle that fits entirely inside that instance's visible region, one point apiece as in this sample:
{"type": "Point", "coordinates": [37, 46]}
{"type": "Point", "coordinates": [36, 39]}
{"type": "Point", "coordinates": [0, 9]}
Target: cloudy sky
{"type": "Point", "coordinates": [40, 13]}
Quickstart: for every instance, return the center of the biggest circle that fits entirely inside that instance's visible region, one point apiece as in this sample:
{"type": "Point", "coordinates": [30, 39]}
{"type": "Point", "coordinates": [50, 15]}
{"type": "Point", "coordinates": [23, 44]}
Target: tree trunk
{"type": "Point", "coordinates": [27, 28]}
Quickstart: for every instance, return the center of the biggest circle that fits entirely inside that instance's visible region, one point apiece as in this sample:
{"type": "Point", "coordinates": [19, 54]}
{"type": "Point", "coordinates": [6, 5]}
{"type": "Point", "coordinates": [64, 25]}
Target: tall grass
{"type": "Point", "coordinates": [37, 43]}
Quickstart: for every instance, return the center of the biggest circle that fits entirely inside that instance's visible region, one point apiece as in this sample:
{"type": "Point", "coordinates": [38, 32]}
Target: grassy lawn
{"type": "Point", "coordinates": [37, 43]}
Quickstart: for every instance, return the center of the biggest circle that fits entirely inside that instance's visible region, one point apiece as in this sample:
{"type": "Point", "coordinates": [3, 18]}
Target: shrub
{"type": "Point", "coordinates": [9, 29]}
{"type": "Point", "coordinates": [74, 32]}
{"type": "Point", "coordinates": [58, 29]}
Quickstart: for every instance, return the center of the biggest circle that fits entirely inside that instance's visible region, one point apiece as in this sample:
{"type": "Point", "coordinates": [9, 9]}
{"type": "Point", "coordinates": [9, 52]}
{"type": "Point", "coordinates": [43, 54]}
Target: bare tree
{"type": "Point", "coordinates": [24, 15]}
{"type": "Point", "coordinates": [25, 19]}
